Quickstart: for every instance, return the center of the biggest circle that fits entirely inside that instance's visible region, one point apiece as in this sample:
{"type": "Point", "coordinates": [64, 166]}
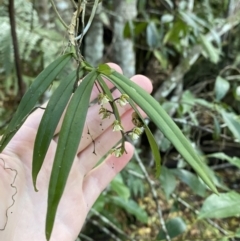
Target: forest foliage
{"type": "Point", "coordinates": [190, 50]}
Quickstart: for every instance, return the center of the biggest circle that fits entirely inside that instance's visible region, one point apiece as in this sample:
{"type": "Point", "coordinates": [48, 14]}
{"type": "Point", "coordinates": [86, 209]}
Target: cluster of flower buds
{"type": "Point", "coordinates": [117, 152]}
{"type": "Point", "coordinates": [104, 113]}
{"type": "Point", "coordinates": [117, 126]}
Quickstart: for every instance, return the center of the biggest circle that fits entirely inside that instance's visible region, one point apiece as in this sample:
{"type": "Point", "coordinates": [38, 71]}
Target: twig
{"type": "Point", "coordinates": [21, 85]}
{"type": "Point", "coordinates": [154, 194]}
{"type": "Point", "coordinates": [85, 237]}
{"type": "Point", "coordinates": [74, 4]}
{"type": "Point", "coordinates": [104, 229]}
{"type": "Point", "coordinates": [58, 15]}
{"type": "Point", "coordinates": [94, 9]}
{"type": "Point", "coordinates": [108, 222]}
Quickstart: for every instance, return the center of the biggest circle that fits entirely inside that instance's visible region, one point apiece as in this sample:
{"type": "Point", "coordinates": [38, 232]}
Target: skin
{"type": "Point", "coordinates": [26, 218]}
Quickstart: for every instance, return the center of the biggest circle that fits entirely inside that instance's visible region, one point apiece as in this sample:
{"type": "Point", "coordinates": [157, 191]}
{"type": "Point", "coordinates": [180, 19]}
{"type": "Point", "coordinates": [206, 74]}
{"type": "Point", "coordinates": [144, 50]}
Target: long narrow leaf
{"type": "Point", "coordinates": [164, 123]}
{"type": "Point", "coordinates": [69, 139]}
{"type": "Point", "coordinates": [155, 151]}
{"type": "Point", "coordinates": [29, 100]}
{"type": "Point", "coordinates": [50, 119]}
{"type": "Point", "coordinates": [151, 141]}
{"type": "Point", "coordinates": [109, 94]}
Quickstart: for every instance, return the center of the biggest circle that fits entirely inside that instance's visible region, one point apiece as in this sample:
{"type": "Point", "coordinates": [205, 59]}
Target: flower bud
{"type": "Point", "coordinates": [117, 126]}
{"type": "Point", "coordinates": [103, 99]}
{"type": "Point", "coordinates": [123, 100]}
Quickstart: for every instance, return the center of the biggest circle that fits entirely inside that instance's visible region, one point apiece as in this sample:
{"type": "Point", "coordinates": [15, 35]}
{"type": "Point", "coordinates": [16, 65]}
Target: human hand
{"type": "Point", "coordinates": [26, 218]}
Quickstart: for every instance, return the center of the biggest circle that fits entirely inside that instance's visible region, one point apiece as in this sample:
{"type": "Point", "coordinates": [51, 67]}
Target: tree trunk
{"type": "Point", "coordinates": [123, 49]}
{"type": "Point", "coordinates": [93, 49]}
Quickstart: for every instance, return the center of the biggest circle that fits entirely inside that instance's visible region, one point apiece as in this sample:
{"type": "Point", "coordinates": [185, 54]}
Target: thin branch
{"type": "Point", "coordinates": [108, 222]}
{"type": "Point", "coordinates": [58, 15]}
{"type": "Point", "coordinates": [21, 85]}
{"type": "Point", "coordinates": [83, 236]}
{"type": "Point", "coordinates": [104, 229]}
{"type": "Point", "coordinates": [94, 9]}
{"type": "Point", "coordinates": [154, 194]}
{"type": "Point", "coordinates": [73, 3]}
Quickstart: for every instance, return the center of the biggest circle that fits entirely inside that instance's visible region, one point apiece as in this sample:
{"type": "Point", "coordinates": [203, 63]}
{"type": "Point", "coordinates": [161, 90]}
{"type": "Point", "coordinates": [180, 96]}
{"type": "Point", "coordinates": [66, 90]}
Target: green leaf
{"type": "Point", "coordinates": [155, 150]}
{"type": "Point", "coordinates": [153, 38]}
{"type": "Point", "coordinates": [109, 94]}
{"type": "Point", "coordinates": [217, 128]}
{"type": "Point", "coordinates": [150, 137]}
{"type": "Point", "coordinates": [69, 139]}
{"type": "Point", "coordinates": [175, 227]}
{"type": "Point", "coordinates": [221, 206]}
{"type": "Point", "coordinates": [29, 100]}
{"type": "Point", "coordinates": [191, 180]}
{"type": "Point", "coordinates": [237, 233]}
{"type": "Point", "coordinates": [221, 88]}
{"type": "Point", "coordinates": [120, 188]}
{"type": "Point", "coordinates": [162, 120]}
{"type": "Point", "coordinates": [168, 181]}
{"type": "Point", "coordinates": [233, 123]}
{"type": "Point", "coordinates": [212, 53]}
{"type": "Point", "coordinates": [49, 122]}
{"type": "Point", "coordinates": [222, 156]}
{"type": "Point", "coordinates": [104, 69]}
{"type": "Point", "coordinates": [161, 58]}
{"type": "Point", "coordinates": [100, 203]}
{"type": "Point", "coordinates": [131, 207]}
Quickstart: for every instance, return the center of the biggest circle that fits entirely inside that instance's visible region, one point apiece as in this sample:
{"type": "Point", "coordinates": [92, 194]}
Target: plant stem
{"type": "Point", "coordinates": [21, 85]}
{"type": "Point", "coordinates": [58, 15]}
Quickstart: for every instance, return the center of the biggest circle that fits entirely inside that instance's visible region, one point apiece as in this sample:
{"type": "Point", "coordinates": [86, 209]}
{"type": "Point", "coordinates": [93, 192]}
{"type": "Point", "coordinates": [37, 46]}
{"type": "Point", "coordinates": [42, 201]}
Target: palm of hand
{"type": "Point", "coordinates": [26, 218]}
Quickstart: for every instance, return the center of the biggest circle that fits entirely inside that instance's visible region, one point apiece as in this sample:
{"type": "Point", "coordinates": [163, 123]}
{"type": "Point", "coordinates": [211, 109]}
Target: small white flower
{"type": "Point", "coordinates": [135, 133]}
{"type": "Point", "coordinates": [123, 100]}
{"type": "Point", "coordinates": [104, 113]}
{"type": "Point", "coordinates": [117, 126]}
{"type": "Point", "coordinates": [103, 99]}
{"type": "Point", "coordinates": [117, 152]}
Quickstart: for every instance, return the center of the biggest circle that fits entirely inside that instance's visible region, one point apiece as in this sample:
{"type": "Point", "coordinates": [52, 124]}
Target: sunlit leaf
{"type": "Point", "coordinates": [212, 53]}
{"type": "Point", "coordinates": [233, 123]}
{"type": "Point", "coordinates": [167, 18]}
{"type": "Point", "coordinates": [221, 206]}
{"type": "Point", "coordinates": [29, 100]}
{"type": "Point", "coordinates": [69, 139]}
{"type": "Point", "coordinates": [221, 88]}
